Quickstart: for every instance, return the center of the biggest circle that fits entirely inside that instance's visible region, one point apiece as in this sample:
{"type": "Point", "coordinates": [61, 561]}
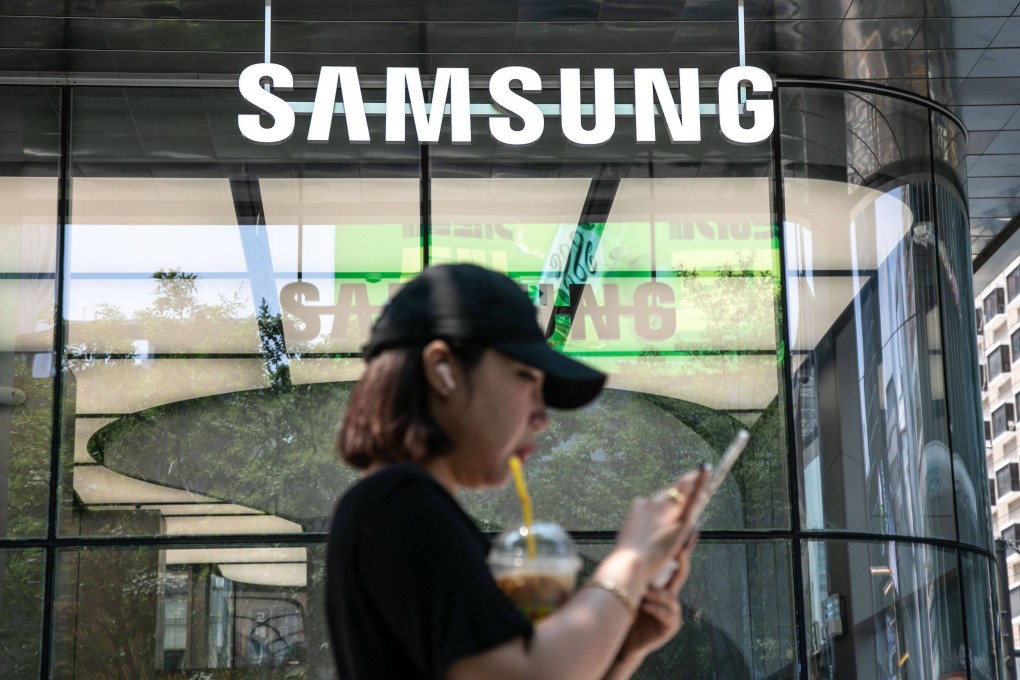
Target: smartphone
{"type": "Point", "coordinates": [719, 472]}
{"type": "Point", "coordinates": [715, 480]}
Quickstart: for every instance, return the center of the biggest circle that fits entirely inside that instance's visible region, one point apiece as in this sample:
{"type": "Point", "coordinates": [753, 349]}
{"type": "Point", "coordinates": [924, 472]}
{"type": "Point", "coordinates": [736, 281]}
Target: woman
{"type": "Point", "coordinates": [458, 379]}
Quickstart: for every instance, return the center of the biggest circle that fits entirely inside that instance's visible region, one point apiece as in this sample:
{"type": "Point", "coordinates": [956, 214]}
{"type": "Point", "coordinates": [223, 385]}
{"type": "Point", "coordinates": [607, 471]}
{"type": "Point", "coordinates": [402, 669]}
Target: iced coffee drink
{"type": "Point", "coordinates": [536, 585]}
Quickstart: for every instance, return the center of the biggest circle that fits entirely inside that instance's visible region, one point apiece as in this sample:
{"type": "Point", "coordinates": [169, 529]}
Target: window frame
{"type": "Point", "coordinates": [1013, 284]}
{"type": "Point", "coordinates": [998, 358]}
{"type": "Point", "coordinates": [994, 303]}
{"type": "Point", "coordinates": [1006, 413]}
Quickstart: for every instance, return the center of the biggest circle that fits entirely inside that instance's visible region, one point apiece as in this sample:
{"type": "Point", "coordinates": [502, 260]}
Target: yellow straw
{"type": "Point", "coordinates": [522, 492]}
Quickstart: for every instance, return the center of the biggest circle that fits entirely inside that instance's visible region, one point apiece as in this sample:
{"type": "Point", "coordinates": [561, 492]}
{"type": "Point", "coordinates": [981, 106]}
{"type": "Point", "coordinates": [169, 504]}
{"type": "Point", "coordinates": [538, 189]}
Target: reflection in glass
{"type": "Point", "coordinates": [29, 149]}
{"type": "Point", "coordinates": [204, 302]}
{"type": "Point", "coordinates": [869, 396]}
{"type": "Point", "coordinates": [980, 596]}
{"type": "Point", "coordinates": [883, 610]}
{"type": "Point", "coordinates": [957, 301]}
{"type": "Point", "coordinates": [21, 601]}
{"type": "Point", "coordinates": [207, 466]}
{"type": "Point", "coordinates": [340, 248]}
{"type": "Point", "coordinates": [666, 283]}
{"type": "Point", "coordinates": [737, 611]}
{"type": "Point", "coordinates": [215, 312]}
{"type": "Point", "coordinates": [150, 613]}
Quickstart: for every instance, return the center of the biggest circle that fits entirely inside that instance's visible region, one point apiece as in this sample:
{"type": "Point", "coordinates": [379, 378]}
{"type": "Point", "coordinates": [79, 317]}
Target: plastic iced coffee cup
{"type": "Point", "coordinates": [536, 585]}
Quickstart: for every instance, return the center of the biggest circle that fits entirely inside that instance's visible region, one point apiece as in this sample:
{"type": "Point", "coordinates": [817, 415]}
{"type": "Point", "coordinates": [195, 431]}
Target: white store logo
{"type": "Point", "coordinates": [518, 121]}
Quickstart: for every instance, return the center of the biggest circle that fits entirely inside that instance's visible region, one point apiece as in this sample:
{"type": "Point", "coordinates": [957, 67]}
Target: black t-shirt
{"type": "Point", "coordinates": [408, 591]}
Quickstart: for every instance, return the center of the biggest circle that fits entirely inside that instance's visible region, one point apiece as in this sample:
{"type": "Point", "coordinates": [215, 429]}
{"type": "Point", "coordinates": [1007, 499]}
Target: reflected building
{"type": "Point", "coordinates": [183, 311]}
{"type": "Point", "coordinates": [998, 347]}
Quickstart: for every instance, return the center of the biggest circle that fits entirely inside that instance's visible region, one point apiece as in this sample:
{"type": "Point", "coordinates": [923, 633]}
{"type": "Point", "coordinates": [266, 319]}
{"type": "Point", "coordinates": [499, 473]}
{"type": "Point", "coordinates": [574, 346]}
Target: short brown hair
{"type": "Point", "coordinates": [387, 419]}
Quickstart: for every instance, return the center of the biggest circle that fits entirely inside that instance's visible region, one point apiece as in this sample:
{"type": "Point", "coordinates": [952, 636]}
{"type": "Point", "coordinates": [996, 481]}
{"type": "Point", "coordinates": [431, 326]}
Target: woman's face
{"type": "Point", "coordinates": [492, 415]}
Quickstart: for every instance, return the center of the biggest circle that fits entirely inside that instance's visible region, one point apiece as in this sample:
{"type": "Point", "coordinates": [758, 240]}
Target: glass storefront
{"type": "Point", "coordinates": [183, 312]}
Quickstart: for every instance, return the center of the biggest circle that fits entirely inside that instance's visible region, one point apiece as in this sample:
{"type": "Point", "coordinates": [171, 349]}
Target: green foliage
{"type": "Point", "coordinates": [21, 601]}
{"type": "Point", "coordinates": [29, 464]}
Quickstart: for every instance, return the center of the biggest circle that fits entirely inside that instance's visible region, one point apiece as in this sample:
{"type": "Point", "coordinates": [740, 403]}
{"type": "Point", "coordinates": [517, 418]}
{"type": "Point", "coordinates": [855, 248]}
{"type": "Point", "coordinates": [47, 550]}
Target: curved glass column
{"type": "Point", "coordinates": [865, 334]}
{"type": "Point", "coordinates": [883, 393]}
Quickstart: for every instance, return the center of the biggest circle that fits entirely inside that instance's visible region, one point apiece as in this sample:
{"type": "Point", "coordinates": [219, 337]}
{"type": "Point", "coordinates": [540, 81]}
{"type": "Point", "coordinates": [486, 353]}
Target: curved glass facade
{"type": "Point", "coordinates": [207, 298]}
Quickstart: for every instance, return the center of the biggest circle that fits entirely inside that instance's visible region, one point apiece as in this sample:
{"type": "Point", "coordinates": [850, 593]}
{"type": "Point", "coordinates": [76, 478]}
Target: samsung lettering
{"type": "Point", "coordinates": [519, 121]}
{"type": "Point", "coordinates": [651, 306]}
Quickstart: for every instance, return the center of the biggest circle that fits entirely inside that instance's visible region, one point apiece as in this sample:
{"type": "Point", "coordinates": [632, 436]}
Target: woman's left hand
{"type": "Point", "coordinates": [659, 616]}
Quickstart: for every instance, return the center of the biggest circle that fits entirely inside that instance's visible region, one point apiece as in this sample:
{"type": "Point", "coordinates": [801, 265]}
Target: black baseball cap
{"type": "Point", "coordinates": [466, 303]}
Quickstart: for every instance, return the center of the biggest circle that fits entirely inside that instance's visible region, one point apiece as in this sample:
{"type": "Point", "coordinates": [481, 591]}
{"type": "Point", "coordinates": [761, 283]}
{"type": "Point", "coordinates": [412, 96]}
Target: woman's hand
{"type": "Point", "coordinates": [592, 635]}
{"type": "Point", "coordinates": [655, 526]}
{"type": "Point", "coordinates": [659, 619]}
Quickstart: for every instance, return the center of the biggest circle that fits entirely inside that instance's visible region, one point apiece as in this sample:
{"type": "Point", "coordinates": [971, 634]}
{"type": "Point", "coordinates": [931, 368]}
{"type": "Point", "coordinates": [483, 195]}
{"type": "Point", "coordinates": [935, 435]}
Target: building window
{"type": "Point", "coordinates": [176, 589]}
{"type": "Point", "coordinates": [980, 319]}
{"type": "Point", "coordinates": [991, 490]}
{"type": "Point", "coordinates": [1003, 420]}
{"type": "Point", "coordinates": [1012, 533]}
{"type": "Point", "coordinates": [995, 304]}
{"type": "Point", "coordinates": [1007, 479]}
{"type": "Point", "coordinates": [984, 378]}
{"type": "Point", "coordinates": [1013, 284]}
{"type": "Point", "coordinates": [998, 361]}
{"type": "Point", "coordinates": [988, 431]}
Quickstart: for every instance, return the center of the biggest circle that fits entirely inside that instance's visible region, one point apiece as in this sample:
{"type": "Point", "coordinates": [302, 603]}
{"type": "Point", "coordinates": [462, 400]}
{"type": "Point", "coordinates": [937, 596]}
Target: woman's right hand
{"type": "Point", "coordinates": [656, 527]}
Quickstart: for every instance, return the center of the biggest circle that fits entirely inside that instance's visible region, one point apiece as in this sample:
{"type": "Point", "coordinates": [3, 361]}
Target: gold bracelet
{"type": "Point", "coordinates": [617, 591]}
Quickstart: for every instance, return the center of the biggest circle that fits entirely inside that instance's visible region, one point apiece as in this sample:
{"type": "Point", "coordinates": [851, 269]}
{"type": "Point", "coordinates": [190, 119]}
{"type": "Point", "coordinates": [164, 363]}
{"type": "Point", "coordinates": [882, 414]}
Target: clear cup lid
{"type": "Point", "coordinates": [553, 548]}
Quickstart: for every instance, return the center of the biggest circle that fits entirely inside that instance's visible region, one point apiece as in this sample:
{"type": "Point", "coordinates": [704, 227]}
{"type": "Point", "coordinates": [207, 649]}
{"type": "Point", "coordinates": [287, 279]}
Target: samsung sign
{"type": "Point", "coordinates": [518, 121]}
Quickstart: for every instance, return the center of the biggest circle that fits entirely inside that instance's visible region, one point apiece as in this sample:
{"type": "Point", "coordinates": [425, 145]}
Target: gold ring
{"type": "Point", "coordinates": [676, 495]}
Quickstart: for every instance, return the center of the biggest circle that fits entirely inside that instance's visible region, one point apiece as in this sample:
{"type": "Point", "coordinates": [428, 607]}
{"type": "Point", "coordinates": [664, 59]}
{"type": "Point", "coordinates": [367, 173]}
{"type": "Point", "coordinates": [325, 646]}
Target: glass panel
{"type": "Point", "coordinates": [238, 612]}
{"type": "Point", "coordinates": [662, 274]}
{"type": "Point", "coordinates": [737, 612]}
{"type": "Point", "coordinates": [979, 594]}
{"type": "Point", "coordinates": [862, 291]}
{"type": "Point", "coordinates": [957, 295]}
{"type": "Point", "coordinates": [883, 610]}
{"type": "Point", "coordinates": [21, 601]}
{"type": "Point", "coordinates": [29, 151]}
{"type": "Point", "coordinates": [216, 311]}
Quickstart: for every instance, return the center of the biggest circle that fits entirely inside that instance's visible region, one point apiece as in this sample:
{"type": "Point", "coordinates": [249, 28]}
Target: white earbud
{"type": "Point", "coordinates": [443, 371]}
